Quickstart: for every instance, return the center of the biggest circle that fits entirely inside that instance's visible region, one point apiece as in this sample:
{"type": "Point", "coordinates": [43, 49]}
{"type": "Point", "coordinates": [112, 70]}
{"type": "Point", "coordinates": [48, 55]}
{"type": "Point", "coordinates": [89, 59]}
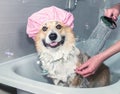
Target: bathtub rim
{"type": "Point", "coordinates": [10, 78]}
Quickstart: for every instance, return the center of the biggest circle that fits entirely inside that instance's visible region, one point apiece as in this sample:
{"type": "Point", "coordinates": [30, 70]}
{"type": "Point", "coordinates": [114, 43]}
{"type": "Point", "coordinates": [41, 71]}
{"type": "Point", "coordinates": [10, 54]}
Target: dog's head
{"type": "Point", "coordinates": [53, 35]}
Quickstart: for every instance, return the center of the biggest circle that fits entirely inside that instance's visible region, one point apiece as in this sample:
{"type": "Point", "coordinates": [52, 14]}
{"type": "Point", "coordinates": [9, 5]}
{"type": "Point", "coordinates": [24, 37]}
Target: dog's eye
{"type": "Point", "coordinates": [58, 26]}
{"type": "Point", "coordinates": [44, 28]}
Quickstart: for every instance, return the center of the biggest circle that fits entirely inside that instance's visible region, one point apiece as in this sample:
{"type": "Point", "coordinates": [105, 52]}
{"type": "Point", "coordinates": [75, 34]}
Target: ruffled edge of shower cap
{"type": "Point", "coordinates": [52, 13]}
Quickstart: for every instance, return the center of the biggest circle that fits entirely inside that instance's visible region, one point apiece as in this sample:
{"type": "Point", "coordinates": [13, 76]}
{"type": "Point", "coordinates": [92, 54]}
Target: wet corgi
{"type": "Point", "coordinates": [59, 56]}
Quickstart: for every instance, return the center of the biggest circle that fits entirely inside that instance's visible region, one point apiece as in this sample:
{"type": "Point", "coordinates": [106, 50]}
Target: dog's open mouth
{"type": "Point", "coordinates": [54, 44]}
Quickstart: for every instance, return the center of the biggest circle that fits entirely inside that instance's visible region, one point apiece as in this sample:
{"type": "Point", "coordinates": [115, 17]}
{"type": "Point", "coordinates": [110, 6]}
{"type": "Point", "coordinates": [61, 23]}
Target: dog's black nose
{"type": "Point", "coordinates": [53, 36]}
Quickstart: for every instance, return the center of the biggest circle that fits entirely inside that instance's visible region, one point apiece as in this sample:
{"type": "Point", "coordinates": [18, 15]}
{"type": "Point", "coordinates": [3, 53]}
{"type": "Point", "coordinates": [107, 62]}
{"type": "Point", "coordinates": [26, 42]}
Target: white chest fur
{"type": "Point", "coordinates": [60, 65]}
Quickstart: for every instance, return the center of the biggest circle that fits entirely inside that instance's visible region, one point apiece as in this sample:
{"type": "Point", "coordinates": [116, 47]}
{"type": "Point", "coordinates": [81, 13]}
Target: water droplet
{"type": "Point", "coordinates": [87, 26]}
{"type": "Point", "coordinates": [8, 53]}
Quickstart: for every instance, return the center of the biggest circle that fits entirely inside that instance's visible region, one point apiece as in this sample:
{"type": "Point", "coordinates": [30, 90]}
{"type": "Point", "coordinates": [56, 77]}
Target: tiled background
{"type": "Point", "coordinates": [14, 42]}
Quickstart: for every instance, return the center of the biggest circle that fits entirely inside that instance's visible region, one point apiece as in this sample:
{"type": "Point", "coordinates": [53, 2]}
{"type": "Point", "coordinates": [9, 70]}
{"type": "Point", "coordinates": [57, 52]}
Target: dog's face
{"type": "Point", "coordinates": [54, 35]}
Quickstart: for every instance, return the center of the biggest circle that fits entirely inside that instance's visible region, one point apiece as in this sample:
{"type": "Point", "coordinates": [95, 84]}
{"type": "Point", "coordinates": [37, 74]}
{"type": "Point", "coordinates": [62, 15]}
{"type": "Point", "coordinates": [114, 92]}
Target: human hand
{"type": "Point", "coordinates": [89, 67]}
{"type": "Point", "coordinates": [113, 12]}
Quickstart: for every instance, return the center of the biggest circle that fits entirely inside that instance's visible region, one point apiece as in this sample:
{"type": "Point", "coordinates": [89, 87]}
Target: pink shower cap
{"type": "Point", "coordinates": [48, 14]}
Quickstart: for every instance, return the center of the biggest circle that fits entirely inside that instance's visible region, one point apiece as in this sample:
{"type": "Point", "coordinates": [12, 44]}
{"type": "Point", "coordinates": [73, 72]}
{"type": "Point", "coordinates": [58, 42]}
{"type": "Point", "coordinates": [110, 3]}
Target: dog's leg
{"type": "Point", "coordinates": [74, 80]}
{"type": "Point", "coordinates": [100, 78]}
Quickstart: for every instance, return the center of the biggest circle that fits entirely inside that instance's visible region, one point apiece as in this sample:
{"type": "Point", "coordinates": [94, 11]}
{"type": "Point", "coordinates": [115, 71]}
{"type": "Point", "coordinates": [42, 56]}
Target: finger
{"type": "Point", "coordinates": [108, 13]}
{"type": "Point", "coordinates": [79, 72]}
{"type": "Point", "coordinates": [83, 72]}
{"type": "Point", "coordinates": [115, 15]}
{"type": "Point", "coordinates": [89, 74]}
{"type": "Point", "coordinates": [114, 18]}
{"type": "Point", "coordinates": [82, 67]}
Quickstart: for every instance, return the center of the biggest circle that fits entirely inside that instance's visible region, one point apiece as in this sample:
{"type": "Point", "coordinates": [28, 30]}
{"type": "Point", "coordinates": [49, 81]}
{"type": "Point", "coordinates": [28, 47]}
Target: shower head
{"type": "Point", "coordinates": [109, 22]}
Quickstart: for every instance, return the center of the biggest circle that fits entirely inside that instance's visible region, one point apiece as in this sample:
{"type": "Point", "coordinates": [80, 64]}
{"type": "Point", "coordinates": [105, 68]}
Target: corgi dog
{"type": "Point", "coordinates": [59, 56]}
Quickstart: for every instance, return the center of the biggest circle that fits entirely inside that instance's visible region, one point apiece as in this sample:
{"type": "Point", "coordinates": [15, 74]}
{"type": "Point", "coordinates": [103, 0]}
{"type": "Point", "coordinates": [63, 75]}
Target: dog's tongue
{"type": "Point", "coordinates": [53, 44]}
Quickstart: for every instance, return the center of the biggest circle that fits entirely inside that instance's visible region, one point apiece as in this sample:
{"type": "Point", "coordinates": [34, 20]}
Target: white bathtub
{"type": "Point", "coordinates": [25, 75]}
